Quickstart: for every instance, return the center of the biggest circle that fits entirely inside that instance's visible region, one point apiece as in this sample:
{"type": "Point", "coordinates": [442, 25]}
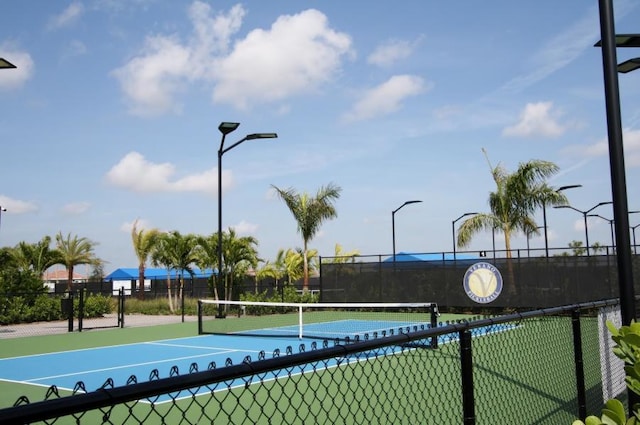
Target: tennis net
{"type": "Point", "coordinates": [331, 321]}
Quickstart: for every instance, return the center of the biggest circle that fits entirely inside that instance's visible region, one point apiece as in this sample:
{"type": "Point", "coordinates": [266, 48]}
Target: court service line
{"type": "Point", "coordinates": [199, 347]}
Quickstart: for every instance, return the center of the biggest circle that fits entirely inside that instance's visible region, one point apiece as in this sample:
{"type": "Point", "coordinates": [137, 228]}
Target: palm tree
{"type": "Point", "coordinates": [74, 251]}
{"type": "Point", "coordinates": [160, 257]}
{"type": "Point", "coordinates": [143, 243]}
{"type": "Point", "coordinates": [341, 257]}
{"type": "Point", "coordinates": [208, 257]}
{"type": "Point", "coordinates": [515, 200]}
{"type": "Point", "coordinates": [36, 257]}
{"type": "Point", "coordinates": [181, 252]}
{"type": "Point", "coordinates": [309, 213]}
{"type": "Point", "coordinates": [240, 254]}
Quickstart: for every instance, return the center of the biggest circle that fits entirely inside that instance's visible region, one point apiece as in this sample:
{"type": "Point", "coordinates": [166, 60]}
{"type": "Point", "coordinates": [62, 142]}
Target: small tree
{"type": "Point", "coordinates": [310, 212]}
{"type": "Point", "coordinates": [74, 251]}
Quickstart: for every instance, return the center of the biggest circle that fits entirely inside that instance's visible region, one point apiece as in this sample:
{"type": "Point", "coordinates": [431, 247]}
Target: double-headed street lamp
{"type": "Point", "coordinates": [610, 221]}
{"type": "Point", "coordinates": [544, 216]}
{"type": "Point", "coordinates": [226, 128]}
{"type": "Point", "coordinates": [453, 230]}
{"type": "Point", "coordinates": [584, 214]}
{"type": "Point", "coordinates": [393, 225]}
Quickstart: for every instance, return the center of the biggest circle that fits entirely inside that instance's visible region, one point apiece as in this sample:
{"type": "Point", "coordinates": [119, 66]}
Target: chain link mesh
{"type": "Point", "coordinates": [524, 372]}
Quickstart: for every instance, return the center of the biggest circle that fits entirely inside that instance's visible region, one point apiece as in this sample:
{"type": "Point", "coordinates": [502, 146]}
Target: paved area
{"type": "Point", "coordinates": [108, 322]}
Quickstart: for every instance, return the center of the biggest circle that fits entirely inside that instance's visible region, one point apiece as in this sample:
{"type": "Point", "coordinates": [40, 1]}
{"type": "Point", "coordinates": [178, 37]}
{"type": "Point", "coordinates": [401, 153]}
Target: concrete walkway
{"type": "Point", "coordinates": [110, 321]}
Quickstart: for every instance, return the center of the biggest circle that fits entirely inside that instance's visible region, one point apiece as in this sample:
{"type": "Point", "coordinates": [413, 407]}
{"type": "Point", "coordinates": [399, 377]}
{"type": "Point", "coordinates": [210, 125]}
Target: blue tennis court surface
{"type": "Point", "coordinates": [94, 366]}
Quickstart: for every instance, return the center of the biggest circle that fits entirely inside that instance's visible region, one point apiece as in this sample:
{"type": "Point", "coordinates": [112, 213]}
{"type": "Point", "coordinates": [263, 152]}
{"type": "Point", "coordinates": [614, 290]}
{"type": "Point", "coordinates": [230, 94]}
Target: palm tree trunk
{"type": "Point", "coordinates": [169, 292]}
{"type": "Point", "coordinates": [305, 269]}
{"type": "Point", "coordinates": [511, 280]}
{"type": "Point", "coordinates": [70, 278]}
{"type": "Point", "coordinates": [141, 282]}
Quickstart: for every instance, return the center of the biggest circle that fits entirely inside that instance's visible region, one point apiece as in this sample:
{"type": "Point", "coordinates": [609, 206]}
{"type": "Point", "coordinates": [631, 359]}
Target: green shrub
{"type": "Point", "coordinates": [45, 309]}
{"type": "Point", "coordinates": [95, 305]}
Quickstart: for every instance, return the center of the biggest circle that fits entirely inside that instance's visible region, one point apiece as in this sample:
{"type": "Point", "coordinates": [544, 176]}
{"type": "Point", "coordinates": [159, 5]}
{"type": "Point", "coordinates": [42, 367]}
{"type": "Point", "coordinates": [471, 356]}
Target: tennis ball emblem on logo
{"type": "Point", "coordinates": [482, 282]}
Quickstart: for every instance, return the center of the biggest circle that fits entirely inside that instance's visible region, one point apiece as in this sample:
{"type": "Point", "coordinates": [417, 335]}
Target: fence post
{"type": "Point", "coordinates": [577, 350]}
{"type": "Point", "coordinates": [433, 309]}
{"type": "Point", "coordinates": [70, 312]}
{"type": "Point", "coordinates": [121, 307]}
{"type": "Point", "coordinates": [81, 291]}
{"type": "Point", "coordinates": [466, 372]}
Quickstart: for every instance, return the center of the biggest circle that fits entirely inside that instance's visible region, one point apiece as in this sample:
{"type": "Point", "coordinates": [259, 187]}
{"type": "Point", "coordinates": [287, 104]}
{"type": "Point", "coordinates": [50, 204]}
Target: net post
{"type": "Point", "coordinates": [433, 309]}
{"type": "Point", "coordinates": [300, 321]}
{"type": "Point", "coordinates": [122, 301]}
{"type": "Point", "coordinates": [199, 317]}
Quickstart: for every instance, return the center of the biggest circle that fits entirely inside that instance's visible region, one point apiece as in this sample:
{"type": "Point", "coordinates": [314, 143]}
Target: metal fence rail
{"type": "Point", "coordinates": [541, 367]}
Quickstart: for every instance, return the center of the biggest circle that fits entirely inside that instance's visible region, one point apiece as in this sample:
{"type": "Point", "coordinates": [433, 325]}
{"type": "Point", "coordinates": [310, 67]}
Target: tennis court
{"type": "Point", "coordinates": [116, 364]}
{"type": "Point", "coordinates": [527, 360]}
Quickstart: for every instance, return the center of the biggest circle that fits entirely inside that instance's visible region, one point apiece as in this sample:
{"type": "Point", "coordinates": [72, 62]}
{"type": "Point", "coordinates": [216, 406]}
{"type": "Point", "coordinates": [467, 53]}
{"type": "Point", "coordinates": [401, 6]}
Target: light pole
{"type": "Point", "coordinates": [584, 215]}
{"type": "Point", "coordinates": [613, 241]}
{"type": "Point", "coordinates": [610, 41]}
{"type": "Point", "coordinates": [544, 216]}
{"type": "Point", "coordinates": [2, 209]}
{"type": "Point", "coordinates": [226, 128]}
{"type": "Point", "coordinates": [393, 225]}
{"type": "Point", "coordinates": [453, 229]}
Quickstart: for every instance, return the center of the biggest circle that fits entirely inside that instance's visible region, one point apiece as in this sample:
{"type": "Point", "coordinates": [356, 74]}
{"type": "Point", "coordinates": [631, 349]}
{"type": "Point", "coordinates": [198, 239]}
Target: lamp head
{"type": "Point", "coordinates": [227, 127]}
{"type": "Point", "coordinates": [5, 64]}
{"type": "Point", "coordinates": [261, 136]}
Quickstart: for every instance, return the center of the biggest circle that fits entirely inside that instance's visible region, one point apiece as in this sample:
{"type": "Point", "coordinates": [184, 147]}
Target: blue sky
{"type": "Point", "coordinates": [112, 116]}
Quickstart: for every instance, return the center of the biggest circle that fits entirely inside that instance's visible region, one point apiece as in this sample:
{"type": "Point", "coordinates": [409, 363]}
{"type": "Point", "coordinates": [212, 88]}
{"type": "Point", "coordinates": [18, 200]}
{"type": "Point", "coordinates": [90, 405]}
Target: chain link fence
{"type": "Point", "coordinates": [537, 367]}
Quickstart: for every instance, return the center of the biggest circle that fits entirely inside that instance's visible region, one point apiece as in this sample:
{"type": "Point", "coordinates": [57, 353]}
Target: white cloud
{"type": "Point", "coordinates": [537, 119]}
{"type": "Point", "coordinates": [17, 77]}
{"type": "Point", "coordinates": [631, 146]}
{"type": "Point", "coordinates": [152, 79]}
{"type": "Point", "coordinates": [67, 17]}
{"type": "Point", "coordinates": [298, 53]}
{"type": "Point", "coordinates": [245, 228]}
{"type": "Point", "coordinates": [76, 208]}
{"type": "Point", "coordinates": [15, 206]}
{"type": "Point", "coordinates": [135, 173]}
{"type": "Point", "coordinates": [387, 97]}
{"type": "Point", "coordinates": [390, 52]}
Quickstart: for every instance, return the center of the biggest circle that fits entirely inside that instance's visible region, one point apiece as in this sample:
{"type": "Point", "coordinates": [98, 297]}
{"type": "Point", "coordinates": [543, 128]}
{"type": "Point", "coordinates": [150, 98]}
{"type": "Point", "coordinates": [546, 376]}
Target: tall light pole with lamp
{"type": "Point", "coordinates": [226, 128]}
{"type": "Point", "coordinates": [584, 215]}
{"type": "Point", "coordinates": [453, 229]}
{"type": "Point", "coordinates": [609, 43]}
{"type": "Point", "coordinates": [393, 225]}
{"type": "Point", "coordinates": [544, 216]}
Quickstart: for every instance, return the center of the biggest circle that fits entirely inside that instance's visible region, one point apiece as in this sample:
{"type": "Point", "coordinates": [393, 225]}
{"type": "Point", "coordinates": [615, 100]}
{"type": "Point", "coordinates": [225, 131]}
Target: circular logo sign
{"type": "Point", "coordinates": [482, 282]}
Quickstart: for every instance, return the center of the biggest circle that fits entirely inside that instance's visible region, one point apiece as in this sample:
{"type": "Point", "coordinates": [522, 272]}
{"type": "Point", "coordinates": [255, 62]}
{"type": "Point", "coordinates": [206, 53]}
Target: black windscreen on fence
{"type": "Point", "coordinates": [528, 282]}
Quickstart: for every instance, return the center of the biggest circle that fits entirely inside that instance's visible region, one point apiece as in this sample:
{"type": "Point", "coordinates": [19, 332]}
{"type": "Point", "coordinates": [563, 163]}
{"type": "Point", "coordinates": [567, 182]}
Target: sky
{"type": "Point", "coordinates": [112, 116]}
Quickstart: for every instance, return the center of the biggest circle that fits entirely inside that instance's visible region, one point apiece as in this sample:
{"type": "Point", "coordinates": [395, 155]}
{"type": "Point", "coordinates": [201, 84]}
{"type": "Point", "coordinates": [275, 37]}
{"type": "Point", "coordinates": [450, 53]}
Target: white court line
{"type": "Point", "coordinates": [199, 347]}
{"type": "Point", "coordinates": [127, 366]}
